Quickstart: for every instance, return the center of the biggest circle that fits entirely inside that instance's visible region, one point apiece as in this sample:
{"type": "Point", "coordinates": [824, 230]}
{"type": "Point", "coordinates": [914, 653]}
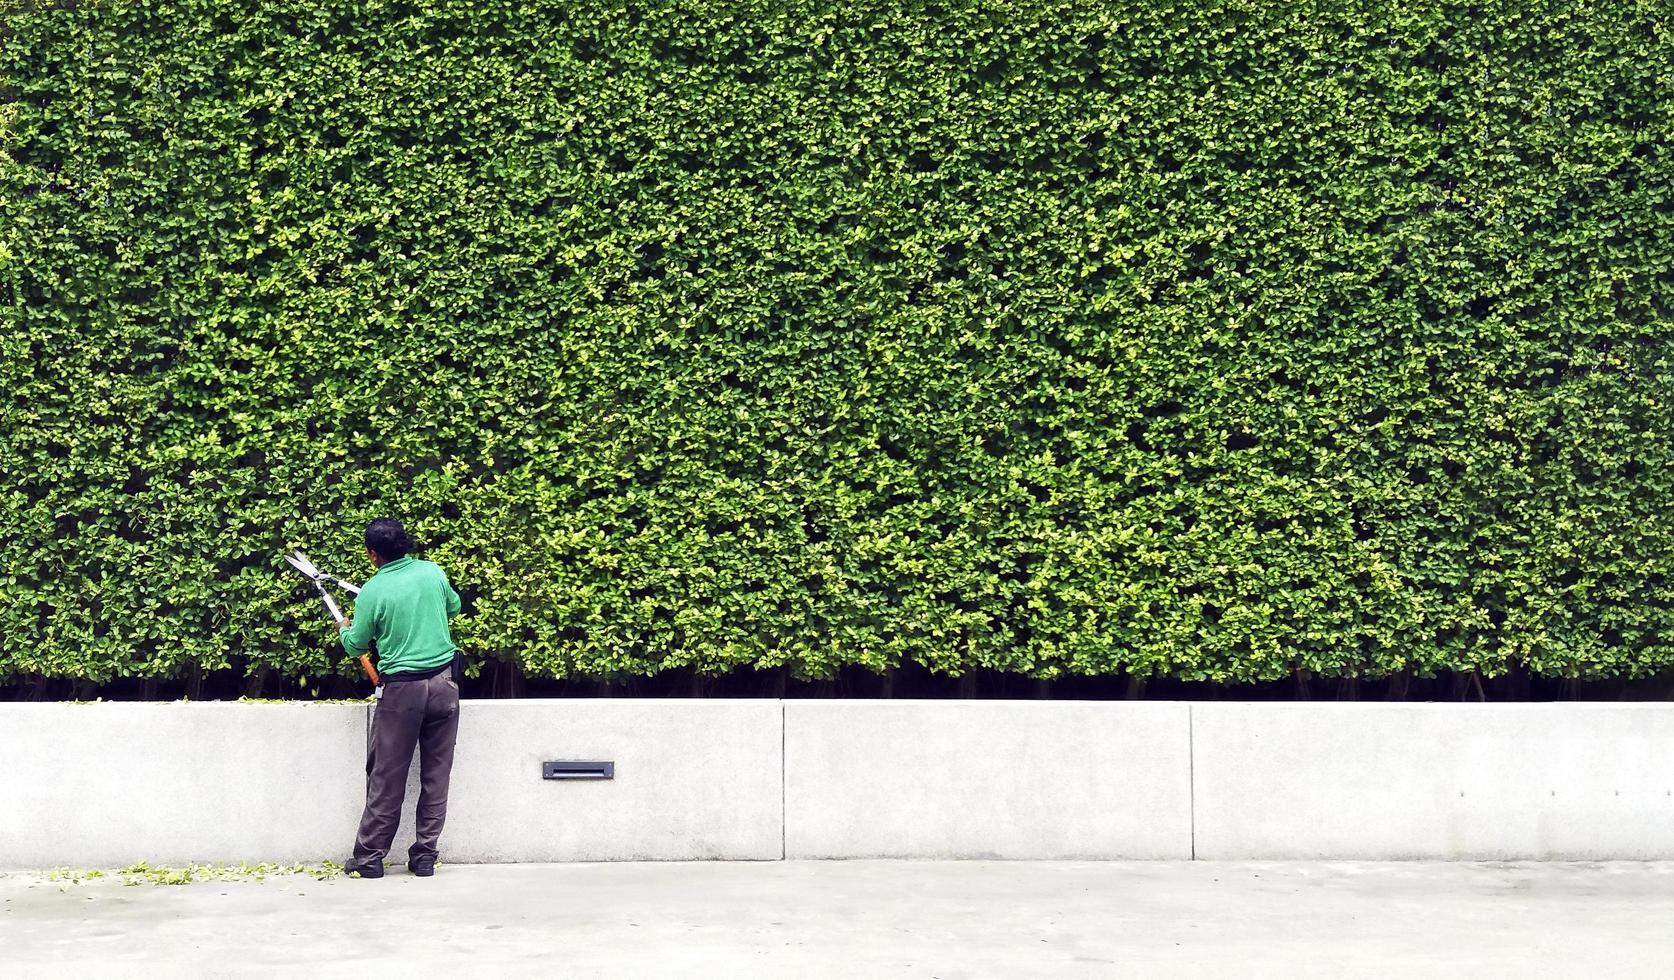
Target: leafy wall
{"type": "Point", "coordinates": [1207, 340]}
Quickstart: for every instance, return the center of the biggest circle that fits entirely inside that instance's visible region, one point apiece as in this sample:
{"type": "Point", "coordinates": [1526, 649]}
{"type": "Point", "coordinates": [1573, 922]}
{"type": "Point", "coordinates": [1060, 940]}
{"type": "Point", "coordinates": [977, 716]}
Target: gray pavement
{"type": "Point", "coordinates": [863, 919]}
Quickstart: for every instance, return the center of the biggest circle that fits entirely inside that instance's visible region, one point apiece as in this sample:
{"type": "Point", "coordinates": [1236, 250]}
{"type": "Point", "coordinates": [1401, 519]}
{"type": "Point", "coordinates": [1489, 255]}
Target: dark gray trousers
{"type": "Point", "coordinates": [422, 714]}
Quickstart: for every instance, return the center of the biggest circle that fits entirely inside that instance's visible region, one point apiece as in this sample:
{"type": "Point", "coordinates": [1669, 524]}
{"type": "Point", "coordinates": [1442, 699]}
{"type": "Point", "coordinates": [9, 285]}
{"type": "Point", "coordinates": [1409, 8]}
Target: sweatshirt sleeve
{"type": "Point", "coordinates": [357, 639]}
{"type": "Point", "coordinates": [451, 596]}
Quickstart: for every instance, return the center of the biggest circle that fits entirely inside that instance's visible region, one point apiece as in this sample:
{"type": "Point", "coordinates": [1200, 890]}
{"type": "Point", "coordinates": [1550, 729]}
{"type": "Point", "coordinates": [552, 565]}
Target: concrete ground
{"type": "Point", "coordinates": [863, 919]}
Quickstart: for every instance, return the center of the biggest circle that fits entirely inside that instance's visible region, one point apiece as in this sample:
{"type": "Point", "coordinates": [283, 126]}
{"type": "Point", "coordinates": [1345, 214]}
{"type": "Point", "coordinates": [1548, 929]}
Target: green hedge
{"type": "Point", "coordinates": [1209, 340]}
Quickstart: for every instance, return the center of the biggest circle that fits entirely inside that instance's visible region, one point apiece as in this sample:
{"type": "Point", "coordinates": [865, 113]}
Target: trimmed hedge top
{"type": "Point", "coordinates": [1214, 340]}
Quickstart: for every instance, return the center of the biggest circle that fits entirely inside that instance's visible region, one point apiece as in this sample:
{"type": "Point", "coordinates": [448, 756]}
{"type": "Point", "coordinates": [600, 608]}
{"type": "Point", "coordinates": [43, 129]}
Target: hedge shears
{"type": "Point", "coordinates": [300, 562]}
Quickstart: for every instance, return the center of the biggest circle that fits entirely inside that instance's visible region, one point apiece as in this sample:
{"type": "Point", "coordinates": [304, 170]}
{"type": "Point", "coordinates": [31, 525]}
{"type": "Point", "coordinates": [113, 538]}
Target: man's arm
{"type": "Point", "coordinates": [357, 634]}
{"type": "Point", "coordinates": [452, 597]}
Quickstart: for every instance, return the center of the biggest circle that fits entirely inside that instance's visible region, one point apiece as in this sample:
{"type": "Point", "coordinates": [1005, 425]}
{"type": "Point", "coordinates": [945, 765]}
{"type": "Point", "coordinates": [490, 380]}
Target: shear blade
{"type": "Point", "coordinates": [300, 562]}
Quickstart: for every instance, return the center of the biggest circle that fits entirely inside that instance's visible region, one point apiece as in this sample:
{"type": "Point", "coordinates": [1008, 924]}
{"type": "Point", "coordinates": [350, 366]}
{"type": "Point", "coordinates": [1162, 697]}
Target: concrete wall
{"type": "Point", "coordinates": [103, 785]}
{"type": "Point", "coordinates": [1451, 781]}
{"type": "Point", "coordinates": [109, 784]}
{"type": "Point", "coordinates": [694, 780]}
{"type": "Point", "coordinates": [987, 779]}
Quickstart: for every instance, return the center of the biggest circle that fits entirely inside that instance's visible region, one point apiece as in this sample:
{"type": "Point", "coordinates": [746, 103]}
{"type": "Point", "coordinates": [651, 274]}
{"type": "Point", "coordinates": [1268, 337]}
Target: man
{"type": "Point", "coordinates": [405, 608]}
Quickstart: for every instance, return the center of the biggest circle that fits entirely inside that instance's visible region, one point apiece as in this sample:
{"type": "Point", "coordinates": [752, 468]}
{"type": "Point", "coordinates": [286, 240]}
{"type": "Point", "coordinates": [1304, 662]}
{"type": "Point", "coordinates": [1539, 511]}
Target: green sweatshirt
{"type": "Point", "coordinates": [405, 607]}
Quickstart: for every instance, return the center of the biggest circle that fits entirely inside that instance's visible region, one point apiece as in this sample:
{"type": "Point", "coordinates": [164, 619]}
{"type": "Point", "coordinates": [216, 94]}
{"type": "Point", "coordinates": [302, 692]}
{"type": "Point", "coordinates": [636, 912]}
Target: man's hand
{"type": "Point", "coordinates": [344, 624]}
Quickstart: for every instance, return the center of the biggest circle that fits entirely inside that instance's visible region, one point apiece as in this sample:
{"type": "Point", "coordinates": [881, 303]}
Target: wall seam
{"type": "Point", "coordinates": [1191, 776]}
{"type": "Point", "coordinates": [783, 852]}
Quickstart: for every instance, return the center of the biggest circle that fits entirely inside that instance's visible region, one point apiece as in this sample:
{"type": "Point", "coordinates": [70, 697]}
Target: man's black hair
{"type": "Point", "coordinates": [386, 537]}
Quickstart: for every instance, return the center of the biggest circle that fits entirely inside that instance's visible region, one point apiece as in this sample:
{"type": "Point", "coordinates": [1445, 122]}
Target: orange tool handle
{"type": "Point", "coordinates": [371, 671]}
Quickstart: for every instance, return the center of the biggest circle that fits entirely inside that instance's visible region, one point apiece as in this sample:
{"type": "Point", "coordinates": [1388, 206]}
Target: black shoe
{"type": "Point", "coordinates": [424, 865]}
{"type": "Point", "coordinates": [365, 869]}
